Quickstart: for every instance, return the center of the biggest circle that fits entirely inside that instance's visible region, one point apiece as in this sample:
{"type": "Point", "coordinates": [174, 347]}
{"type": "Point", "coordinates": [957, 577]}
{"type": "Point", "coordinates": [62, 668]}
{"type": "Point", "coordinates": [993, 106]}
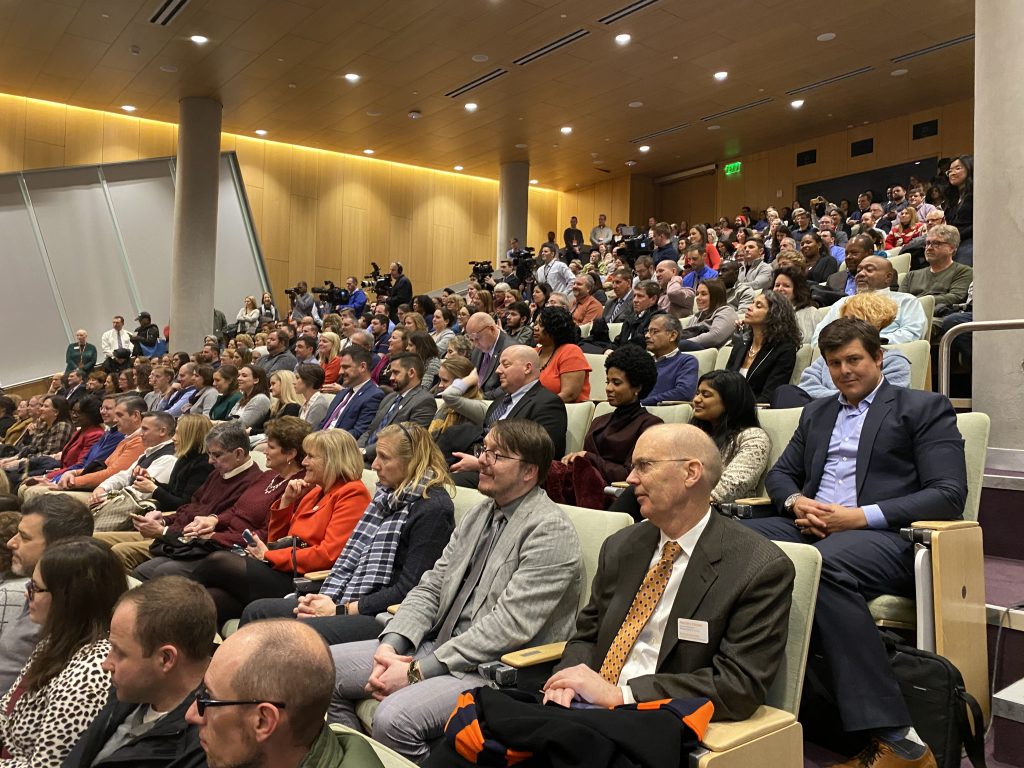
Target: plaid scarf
{"type": "Point", "coordinates": [368, 559]}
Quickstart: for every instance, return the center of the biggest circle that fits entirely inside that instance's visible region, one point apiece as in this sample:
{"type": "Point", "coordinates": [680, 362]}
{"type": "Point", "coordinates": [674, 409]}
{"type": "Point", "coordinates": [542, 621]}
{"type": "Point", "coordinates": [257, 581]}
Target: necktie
{"type": "Point", "coordinates": [451, 620]}
{"type": "Point", "coordinates": [388, 418]}
{"type": "Point", "coordinates": [119, 344]}
{"type": "Point", "coordinates": [333, 419]}
{"type": "Point", "coordinates": [640, 611]}
{"type": "Point", "coordinates": [485, 364]}
{"type": "Point", "coordinates": [500, 411]}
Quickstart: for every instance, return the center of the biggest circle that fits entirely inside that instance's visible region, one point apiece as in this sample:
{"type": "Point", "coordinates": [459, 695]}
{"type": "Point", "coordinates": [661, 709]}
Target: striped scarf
{"type": "Point", "coordinates": [368, 559]}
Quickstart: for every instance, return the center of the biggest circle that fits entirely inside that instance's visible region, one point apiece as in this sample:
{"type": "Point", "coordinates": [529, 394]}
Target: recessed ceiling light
{"type": "Point", "coordinates": [631, 163]}
{"type": "Point", "coordinates": [374, 113]}
{"type": "Point", "coordinates": [168, 68]}
{"type": "Point", "coordinates": [635, 104]}
{"type": "Point", "coordinates": [796, 103]}
{"type": "Point", "coordinates": [279, 60]}
{"type": "Point", "coordinates": [128, 108]}
{"type": "Point", "coordinates": [645, 148]}
{"type": "Point", "coordinates": [917, 162]}
{"type": "Point", "coordinates": [367, 151]}
{"type": "Point", "coordinates": [293, 85]}
{"type": "Point", "coordinates": [520, 146]}
{"type": "Point", "coordinates": [352, 77]}
{"type": "Point", "coordinates": [720, 76]}
{"type": "Point", "coordinates": [824, 37]}
{"type": "Point", "coordinates": [623, 39]}
{"type": "Point", "coordinates": [534, 181]}
{"type": "Point", "coordinates": [566, 130]}
{"type": "Point", "coordinates": [260, 132]}
{"type": "Point", "coordinates": [458, 167]}
{"type": "Point", "coordinates": [471, 106]}
{"type": "Point", "coordinates": [480, 58]}
{"type": "Point", "coordinates": [199, 39]}
{"type": "Point", "coordinates": [899, 72]}
{"type": "Point", "coordinates": [714, 127]}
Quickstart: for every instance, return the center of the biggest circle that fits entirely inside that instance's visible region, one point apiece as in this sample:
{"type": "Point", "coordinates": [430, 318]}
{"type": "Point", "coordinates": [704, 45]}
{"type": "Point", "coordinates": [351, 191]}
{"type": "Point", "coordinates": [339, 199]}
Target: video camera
{"type": "Point", "coordinates": [524, 263]}
{"type": "Point", "coordinates": [332, 294]}
{"type": "Point", "coordinates": [379, 284]}
{"type": "Point", "coordinates": [635, 243]}
{"type": "Point", "coordinates": [481, 270]}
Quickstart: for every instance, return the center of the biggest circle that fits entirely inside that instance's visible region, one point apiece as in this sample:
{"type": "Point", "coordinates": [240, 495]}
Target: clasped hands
{"type": "Point", "coordinates": [819, 519]}
{"type": "Point", "coordinates": [390, 672]}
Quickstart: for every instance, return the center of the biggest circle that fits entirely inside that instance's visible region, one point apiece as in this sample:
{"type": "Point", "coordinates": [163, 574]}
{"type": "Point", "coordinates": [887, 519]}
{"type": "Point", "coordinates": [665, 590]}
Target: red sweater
{"type": "Point", "coordinates": [79, 445]}
{"type": "Point", "coordinates": [323, 520]}
{"type": "Point", "coordinates": [239, 503]}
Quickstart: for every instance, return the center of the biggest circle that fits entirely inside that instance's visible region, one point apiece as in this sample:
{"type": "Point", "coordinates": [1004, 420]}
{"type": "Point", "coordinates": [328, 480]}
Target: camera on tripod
{"type": "Point", "coordinates": [524, 263]}
{"type": "Point", "coordinates": [481, 270]}
{"type": "Point", "coordinates": [331, 294]}
{"type": "Point", "coordinates": [379, 284]}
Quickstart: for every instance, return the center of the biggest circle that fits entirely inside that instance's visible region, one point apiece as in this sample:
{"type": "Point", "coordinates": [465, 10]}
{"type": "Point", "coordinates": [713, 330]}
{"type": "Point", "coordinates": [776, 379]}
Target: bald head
{"type": "Point", "coordinates": [874, 274]}
{"type": "Point", "coordinates": [482, 331]}
{"type": "Point", "coordinates": [519, 365]}
{"type": "Point", "coordinates": [687, 440]}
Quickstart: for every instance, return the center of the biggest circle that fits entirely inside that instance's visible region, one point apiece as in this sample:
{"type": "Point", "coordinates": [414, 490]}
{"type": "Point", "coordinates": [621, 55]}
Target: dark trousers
{"type": "Point", "coordinates": [856, 567]}
{"type": "Point", "coordinates": [334, 629]}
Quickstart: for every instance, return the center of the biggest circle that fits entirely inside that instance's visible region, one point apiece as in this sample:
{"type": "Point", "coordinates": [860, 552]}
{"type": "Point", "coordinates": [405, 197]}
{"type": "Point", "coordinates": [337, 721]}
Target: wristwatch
{"type": "Point", "coordinates": [415, 674]}
{"type": "Point", "coordinates": [791, 501]}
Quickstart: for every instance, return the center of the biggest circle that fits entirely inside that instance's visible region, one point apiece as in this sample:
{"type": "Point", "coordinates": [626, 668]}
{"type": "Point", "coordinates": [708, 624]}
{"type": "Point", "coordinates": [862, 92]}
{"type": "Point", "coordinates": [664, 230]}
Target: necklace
{"type": "Point", "coordinates": [274, 484]}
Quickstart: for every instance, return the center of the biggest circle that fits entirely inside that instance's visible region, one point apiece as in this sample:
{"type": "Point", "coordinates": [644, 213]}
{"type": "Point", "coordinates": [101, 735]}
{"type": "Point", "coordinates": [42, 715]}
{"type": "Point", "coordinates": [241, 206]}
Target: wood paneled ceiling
{"type": "Point", "coordinates": [279, 66]}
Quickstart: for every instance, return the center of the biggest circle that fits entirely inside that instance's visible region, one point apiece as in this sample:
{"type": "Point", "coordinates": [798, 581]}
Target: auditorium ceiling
{"type": "Point", "coordinates": [532, 67]}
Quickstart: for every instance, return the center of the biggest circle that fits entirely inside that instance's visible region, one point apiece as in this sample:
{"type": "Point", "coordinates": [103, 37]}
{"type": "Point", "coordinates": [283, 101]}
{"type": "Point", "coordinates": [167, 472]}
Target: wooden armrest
{"type": "Point", "coordinates": [620, 484]}
{"type": "Point", "coordinates": [756, 501]}
{"type": "Point", "coordinates": [393, 609]}
{"type": "Point", "coordinates": [317, 575]}
{"type": "Point", "coordinates": [944, 525]}
{"type": "Point", "coordinates": [530, 657]}
{"type": "Point", "coordinates": [675, 402]}
{"type": "Point", "coordinates": [725, 735]}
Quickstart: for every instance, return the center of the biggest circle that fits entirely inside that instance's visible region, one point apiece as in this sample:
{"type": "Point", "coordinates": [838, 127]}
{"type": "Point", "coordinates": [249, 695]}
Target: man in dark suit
{"type": "Point", "coordinates": [401, 290]}
{"type": "Point", "coordinates": [522, 397]}
{"type": "Point", "coordinates": [685, 604]}
{"type": "Point", "coordinates": [489, 341]}
{"type": "Point", "coordinates": [645, 306]}
{"type": "Point", "coordinates": [408, 402]}
{"type": "Point", "coordinates": [844, 283]}
{"type": "Point", "coordinates": [620, 303]}
{"type": "Point", "coordinates": [354, 407]}
{"type": "Point", "coordinates": [860, 467]}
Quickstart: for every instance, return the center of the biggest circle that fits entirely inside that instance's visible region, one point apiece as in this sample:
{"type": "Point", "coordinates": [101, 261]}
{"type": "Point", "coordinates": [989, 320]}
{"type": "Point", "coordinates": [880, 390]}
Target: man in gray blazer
{"type": "Point", "coordinates": [408, 402]}
{"type": "Point", "coordinates": [489, 341]}
{"type": "Point", "coordinates": [509, 578]}
{"type": "Point", "coordinates": [718, 626]}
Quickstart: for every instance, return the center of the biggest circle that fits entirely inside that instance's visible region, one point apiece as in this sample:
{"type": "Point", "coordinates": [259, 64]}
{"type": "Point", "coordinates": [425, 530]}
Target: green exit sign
{"type": "Point", "coordinates": [731, 169]}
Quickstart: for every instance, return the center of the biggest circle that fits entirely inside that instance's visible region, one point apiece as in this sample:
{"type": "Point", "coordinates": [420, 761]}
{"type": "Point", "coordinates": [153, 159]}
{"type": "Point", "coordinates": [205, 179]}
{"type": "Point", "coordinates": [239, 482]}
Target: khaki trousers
{"type": "Point", "coordinates": [131, 547]}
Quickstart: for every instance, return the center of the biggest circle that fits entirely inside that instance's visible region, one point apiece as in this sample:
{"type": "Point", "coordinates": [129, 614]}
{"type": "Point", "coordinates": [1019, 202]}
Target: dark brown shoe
{"type": "Point", "coordinates": [880, 754]}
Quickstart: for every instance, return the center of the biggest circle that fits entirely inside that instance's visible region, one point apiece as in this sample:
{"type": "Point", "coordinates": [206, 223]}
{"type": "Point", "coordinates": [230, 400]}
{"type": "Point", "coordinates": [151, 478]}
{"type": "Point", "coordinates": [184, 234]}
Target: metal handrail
{"type": "Point", "coordinates": [975, 325]}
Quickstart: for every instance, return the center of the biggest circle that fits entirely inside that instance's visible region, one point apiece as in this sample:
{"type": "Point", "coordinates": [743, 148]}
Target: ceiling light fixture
{"type": "Point", "coordinates": [645, 148]}
{"type": "Point", "coordinates": [352, 77]}
{"type": "Point", "coordinates": [720, 76]}
{"type": "Point", "coordinates": [566, 130]}
{"type": "Point", "coordinates": [128, 108]}
{"type": "Point", "coordinates": [458, 167]}
{"type": "Point", "coordinates": [714, 127]}
{"type": "Point", "coordinates": [367, 151]}
{"type": "Point", "coordinates": [534, 181]}
{"type": "Point", "coordinates": [630, 163]}
{"type": "Point", "coordinates": [796, 103]}
{"type": "Point", "coordinates": [623, 39]}
{"type": "Point", "coordinates": [199, 39]}
{"type": "Point", "coordinates": [899, 72]}
{"type": "Point", "coordinates": [825, 37]}
{"type": "Point", "coordinates": [471, 106]}
{"type": "Point", "coordinates": [168, 68]}
{"type": "Point", "coordinates": [635, 104]}
{"type": "Point", "coordinates": [480, 58]}
{"type": "Point", "coordinates": [520, 146]}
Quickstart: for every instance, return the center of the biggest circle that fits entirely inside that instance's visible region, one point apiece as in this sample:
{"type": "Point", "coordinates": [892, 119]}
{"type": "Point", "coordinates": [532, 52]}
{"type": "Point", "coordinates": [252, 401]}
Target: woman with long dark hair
{"type": "Point", "coordinates": [764, 351]}
{"type": "Point", "coordinates": [698, 235]}
{"type": "Point", "coordinates": [791, 282]}
{"type": "Point", "coordinates": [254, 406]}
{"type": "Point", "coordinates": [225, 381]}
{"type": "Point", "coordinates": [958, 203]}
{"type": "Point", "coordinates": [422, 344]}
{"type": "Point", "coordinates": [714, 321]}
{"type": "Point", "coordinates": [540, 296]}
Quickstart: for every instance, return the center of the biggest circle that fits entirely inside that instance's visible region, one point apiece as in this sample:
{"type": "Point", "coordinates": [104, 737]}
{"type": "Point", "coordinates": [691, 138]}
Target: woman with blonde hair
{"type": "Point", "coordinates": [414, 321]}
{"type": "Point", "coordinates": [248, 317]}
{"type": "Point", "coordinates": [399, 537]}
{"type": "Point", "coordinates": [190, 471]}
{"type": "Point", "coordinates": [877, 310]}
{"type": "Point", "coordinates": [284, 400]}
{"type": "Point", "coordinates": [463, 402]}
{"type": "Point", "coordinates": [484, 302]}
{"type": "Point", "coordinates": [309, 525]}
{"type": "Point", "coordinates": [328, 349]}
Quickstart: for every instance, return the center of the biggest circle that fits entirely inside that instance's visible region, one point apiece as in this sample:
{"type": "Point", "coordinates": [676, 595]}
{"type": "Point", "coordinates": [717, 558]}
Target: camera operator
{"type": "Point", "coordinates": [401, 290]}
{"type": "Point", "coordinates": [301, 301]}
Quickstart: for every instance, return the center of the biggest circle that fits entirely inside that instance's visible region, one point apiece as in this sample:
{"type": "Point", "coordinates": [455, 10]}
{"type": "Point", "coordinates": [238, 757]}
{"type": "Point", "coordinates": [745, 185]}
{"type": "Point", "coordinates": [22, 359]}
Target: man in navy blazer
{"type": "Point", "coordinates": [354, 407]}
{"type": "Point", "coordinates": [861, 466]}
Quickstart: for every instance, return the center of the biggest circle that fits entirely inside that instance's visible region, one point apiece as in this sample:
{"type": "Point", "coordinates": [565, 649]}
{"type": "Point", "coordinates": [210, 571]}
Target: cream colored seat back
{"type": "Point", "coordinates": [598, 377]}
{"type": "Point", "coordinates": [705, 360]}
{"type": "Point", "coordinates": [780, 424]}
{"type": "Point", "coordinates": [579, 416]}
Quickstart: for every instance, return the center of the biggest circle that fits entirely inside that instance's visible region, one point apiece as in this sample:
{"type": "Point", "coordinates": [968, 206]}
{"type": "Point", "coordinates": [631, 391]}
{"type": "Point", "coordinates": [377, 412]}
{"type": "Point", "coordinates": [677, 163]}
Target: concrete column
{"type": "Point", "coordinates": [513, 202]}
{"type": "Point", "coordinates": [194, 250]}
{"type": "Point", "coordinates": [998, 386]}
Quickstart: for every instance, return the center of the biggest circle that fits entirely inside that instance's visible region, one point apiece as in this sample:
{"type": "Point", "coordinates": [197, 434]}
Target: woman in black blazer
{"type": "Point", "coordinates": [191, 469]}
{"type": "Point", "coordinates": [765, 348]}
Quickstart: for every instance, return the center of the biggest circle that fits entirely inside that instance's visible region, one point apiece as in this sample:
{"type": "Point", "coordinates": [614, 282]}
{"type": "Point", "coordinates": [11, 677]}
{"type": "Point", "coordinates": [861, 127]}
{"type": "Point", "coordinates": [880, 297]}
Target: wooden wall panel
{"type": "Point", "coordinates": [39, 154]}
{"type": "Point", "coordinates": [45, 122]}
{"type": "Point", "coordinates": [160, 140]}
{"type": "Point", "coordinates": [83, 142]}
{"type": "Point", "coordinates": [120, 139]}
{"type": "Point", "coordinates": [12, 134]}
{"type": "Point", "coordinates": [542, 217]}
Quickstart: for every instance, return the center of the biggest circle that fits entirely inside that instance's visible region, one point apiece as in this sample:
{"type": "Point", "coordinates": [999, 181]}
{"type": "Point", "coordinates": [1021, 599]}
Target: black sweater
{"type": "Point", "coordinates": [189, 473]}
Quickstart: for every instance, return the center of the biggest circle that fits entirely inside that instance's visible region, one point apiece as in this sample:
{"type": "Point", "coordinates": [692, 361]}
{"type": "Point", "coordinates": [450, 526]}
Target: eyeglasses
{"type": "Point", "coordinates": [33, 589]}
{"type": "Point", "coordinates": [934, 243]}
{"type": "Point", "coordinates": [490, 456]}
{"type": "Point", "coordinates": [203, 701]}
{"type": "Point", "coordinates": [644, 466]}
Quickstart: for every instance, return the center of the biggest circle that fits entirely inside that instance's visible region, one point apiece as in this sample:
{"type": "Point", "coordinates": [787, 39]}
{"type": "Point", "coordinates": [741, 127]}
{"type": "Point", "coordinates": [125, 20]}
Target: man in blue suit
{"type": "Point", "coordinates": [354, 407]}
{"type": "Point", "coordinates": [860, 467]}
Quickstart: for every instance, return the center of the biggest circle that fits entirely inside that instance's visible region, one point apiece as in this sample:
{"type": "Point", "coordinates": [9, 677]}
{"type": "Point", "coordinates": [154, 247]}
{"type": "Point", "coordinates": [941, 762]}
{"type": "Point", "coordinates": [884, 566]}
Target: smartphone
{"type": "Point", "coordinates": [248, 537]}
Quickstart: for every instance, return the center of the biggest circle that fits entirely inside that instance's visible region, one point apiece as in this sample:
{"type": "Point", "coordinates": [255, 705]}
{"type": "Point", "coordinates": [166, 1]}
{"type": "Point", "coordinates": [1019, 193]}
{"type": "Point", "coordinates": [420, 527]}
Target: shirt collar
{"type": "Point", "coordinates": [869, 398]}
{"type": "Point", "coordinates": [155, 448]}
{"type": "Point", "coordinates": [673, 353]}
{"type": "Point", "coordinates": [688, 541]}
{"type": "Point", "coordinates": [239, 470]}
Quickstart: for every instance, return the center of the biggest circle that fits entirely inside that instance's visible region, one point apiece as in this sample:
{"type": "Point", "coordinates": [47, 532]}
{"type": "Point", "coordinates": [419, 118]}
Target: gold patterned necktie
{"type": "Point", "coordinates": [640, 611]}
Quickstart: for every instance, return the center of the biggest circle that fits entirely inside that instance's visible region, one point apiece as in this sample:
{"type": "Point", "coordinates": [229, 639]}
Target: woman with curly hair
{"type": "Point", "coordinates": [765, 350]}
{"type": "Point", "coordinates": [563, 368]}
{"type": "Point", "coordinates": [791, 282]}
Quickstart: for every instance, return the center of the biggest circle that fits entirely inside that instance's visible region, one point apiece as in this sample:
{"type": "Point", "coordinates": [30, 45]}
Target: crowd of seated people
{"type": "Point", "coordinates": [222, 477]}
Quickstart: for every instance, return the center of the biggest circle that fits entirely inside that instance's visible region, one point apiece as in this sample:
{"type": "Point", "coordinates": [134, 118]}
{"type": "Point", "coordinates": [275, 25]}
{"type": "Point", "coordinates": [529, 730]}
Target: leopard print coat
{"type": "Point", "coordinates": [46, 724]}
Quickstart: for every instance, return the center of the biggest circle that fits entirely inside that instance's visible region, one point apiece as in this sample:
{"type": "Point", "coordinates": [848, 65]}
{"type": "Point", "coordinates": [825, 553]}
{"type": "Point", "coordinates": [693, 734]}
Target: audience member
{"type": "Point", "coordinates": [764, 351]}
{"type": "Point", "coordinates": [443, 319]}
{"type": "Point", "coordinates": [945, 279]}
{"type": "Point", "coordinates": [675, 298]}
{"type": "Point", "coordinates": [489, 342]}
{"type": "Point", "coordinates": [146, 335]}
{"type": "Point", "coordinates": [959, 205]}
{"type": "Point", "coordinates": [676, 371]}
{"type": "Point", "coordinates": [563, 368]}
{"type": "Point", "coordinates": [698, 235]}
{"type": "Point", "coordinates": [587, 308]}
{"type": "Point", "coordinates": [664, 248]}
{"type": "Point", "coordinates": [620, 303]}
{"type": "Point", "coordinates": [225, 382]}
{"type": "Point", "coordinates": [12, 584]}
{"type": "Point", "coordinates": [422, 345]}
{"type": "Point", "coordinates": [792, 283]}
{"type": "Point", "coordinates": [278, 357]}
{"type": "Point", "coordinates": [253, 407]}
{"type": "Point", "coordinates": [715, 321]}
{"type": "Point", "coordinates": [81, 355]}
{"type": "Point", "coordinates": [554, 272]}
{"type": "Point", "coordinates": [49, 436]}
{"type": "Point", "coordinates": [191, 468]}
{"type": "Point", "coordinates": [309, 378]}
{"type": "Point", "coordinates": [114, 339]}
{"type": "Point", "coordinates": [408, 402]}
{"type": "Point", "coordinates": [401, 289]}
{"type": "Point", "coordinates": [645, 307]}
{"type": "Point", "coordinates": [455, 426]}
{"type": "Point", "coordinates": [602, 233]}
{"type": "Point", "coordinates": [753, 269]}
{"type": "Point", "coordinates": [907, 228]}
{"type": "Point", "coordinates": [329, 347]}
{"type": "Point", "coordinates": [353, 408]}
{"type": "Point", "coordinates": [518, 325]}
{"type": "Point", "coordinates": [820, 264]}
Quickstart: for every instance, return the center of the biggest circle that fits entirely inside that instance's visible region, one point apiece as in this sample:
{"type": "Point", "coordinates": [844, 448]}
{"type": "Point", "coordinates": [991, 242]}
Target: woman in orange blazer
{"type": "Point", "coordinates": [309, 525]}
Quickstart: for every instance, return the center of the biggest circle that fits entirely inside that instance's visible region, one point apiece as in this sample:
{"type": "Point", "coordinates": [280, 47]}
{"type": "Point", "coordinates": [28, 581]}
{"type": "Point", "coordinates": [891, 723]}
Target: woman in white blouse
{"type": "Point", "coordinates": [248, 317]}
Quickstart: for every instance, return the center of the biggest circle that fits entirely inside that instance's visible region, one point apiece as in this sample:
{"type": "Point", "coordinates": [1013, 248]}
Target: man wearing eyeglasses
{"type": "Point", "coordinates": [684, 604]}
{"type": "Point", "coordinates": [943, 278]}
{"type": "Point", "coordinates": [508, 579]}
{"type": "Point", "coordinates": [263, 698]}
{"type": "Point", "coordinates": [160, 643]}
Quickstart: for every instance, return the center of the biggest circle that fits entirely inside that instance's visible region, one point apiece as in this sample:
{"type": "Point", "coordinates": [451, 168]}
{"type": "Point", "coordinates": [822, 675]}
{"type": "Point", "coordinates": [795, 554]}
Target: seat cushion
{"type": "Point", "coordinates": [365, 710]}
{"type": "Point", "coordinates": [893, 608]}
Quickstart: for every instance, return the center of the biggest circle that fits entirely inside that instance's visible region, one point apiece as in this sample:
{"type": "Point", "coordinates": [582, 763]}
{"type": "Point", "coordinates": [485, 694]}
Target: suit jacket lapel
{"type": "Point", "coordinates": [877, 413]}
{"type": "Point", "coordinates": [701, 573]}
{"type": "Point", "coordinates": [633, 563]}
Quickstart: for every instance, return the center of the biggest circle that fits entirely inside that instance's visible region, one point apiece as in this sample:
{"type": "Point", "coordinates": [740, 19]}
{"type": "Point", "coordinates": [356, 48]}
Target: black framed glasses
{"type": "Point", "coordinates": [33, 589]}
{"type": "Point", "coordinates": [203, 700]}
{"type": "Point", "coordinates": [492, 457]}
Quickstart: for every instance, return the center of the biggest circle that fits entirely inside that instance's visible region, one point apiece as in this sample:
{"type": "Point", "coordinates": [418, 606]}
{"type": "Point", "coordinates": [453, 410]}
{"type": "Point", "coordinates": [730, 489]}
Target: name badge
{"type": "Point", "coordinates": [693, 631]}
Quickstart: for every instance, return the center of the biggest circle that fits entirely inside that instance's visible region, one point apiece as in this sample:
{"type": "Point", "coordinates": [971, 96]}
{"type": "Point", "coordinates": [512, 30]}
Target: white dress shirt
{"type": "Point", "coordinates": [643, 657]}
{"type": "Point", "coordinates": [108, 341]}
{"type": "Point", "coordinates": [160, 470]}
